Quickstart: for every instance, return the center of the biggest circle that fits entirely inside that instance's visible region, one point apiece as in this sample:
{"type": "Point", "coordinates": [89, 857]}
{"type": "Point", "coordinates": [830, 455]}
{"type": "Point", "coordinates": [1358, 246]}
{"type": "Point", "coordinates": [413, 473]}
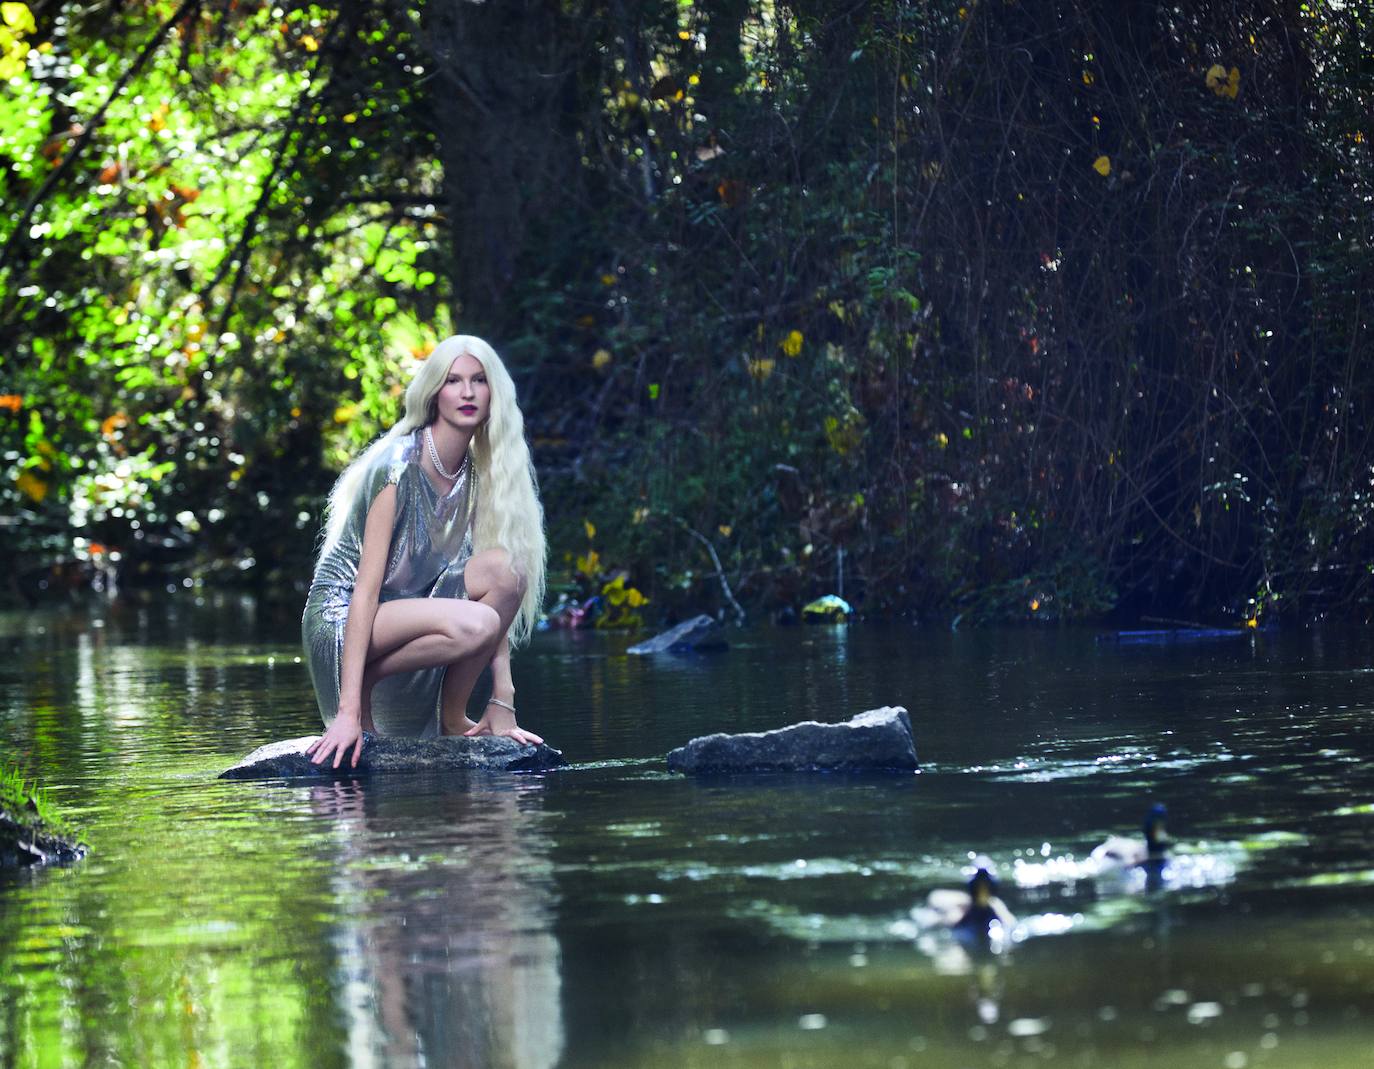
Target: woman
{"type": "Point", "coordinates": [432, 565]}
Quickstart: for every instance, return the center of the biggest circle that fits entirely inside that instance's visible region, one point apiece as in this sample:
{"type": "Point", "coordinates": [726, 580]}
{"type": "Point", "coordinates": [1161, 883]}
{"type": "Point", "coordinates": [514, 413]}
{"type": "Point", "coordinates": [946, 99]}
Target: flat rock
{"type": "Point", "coordinates": [392, 753]}
{"type": "Point", "coordinates": [879, 740]}
{"type": "Point", "coordinates": [699, 633]}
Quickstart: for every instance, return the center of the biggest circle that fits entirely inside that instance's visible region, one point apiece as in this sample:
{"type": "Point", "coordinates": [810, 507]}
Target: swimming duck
{"type": "Point", "coordinates": [973, 910]}
{"type": "Point", "coordinates": [1121, 852]}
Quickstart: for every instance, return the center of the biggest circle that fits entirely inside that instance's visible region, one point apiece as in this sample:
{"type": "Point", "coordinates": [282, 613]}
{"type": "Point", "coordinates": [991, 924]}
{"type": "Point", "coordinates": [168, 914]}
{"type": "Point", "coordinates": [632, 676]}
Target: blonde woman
{"type": "Point", "coordinates": [432, 564]}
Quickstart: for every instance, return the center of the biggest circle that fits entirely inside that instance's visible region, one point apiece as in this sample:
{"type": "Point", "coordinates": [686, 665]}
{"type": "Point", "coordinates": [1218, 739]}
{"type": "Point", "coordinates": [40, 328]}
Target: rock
{"type": "Point", "coordinates": [830, 609]}
{"type": "Point", "coordinates": [878, 740]}
{"type": "Point", "coordinates": [22, 843]}
{"type": "Point", "coordinates": [393, 753]}
{"type": "Point", "coordinates": [699, 633]}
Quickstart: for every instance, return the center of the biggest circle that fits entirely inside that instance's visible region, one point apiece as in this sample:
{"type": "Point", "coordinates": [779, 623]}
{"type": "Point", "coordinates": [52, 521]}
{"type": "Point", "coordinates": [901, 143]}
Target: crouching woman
{"type": "Point", "coordinates": [432, 563]}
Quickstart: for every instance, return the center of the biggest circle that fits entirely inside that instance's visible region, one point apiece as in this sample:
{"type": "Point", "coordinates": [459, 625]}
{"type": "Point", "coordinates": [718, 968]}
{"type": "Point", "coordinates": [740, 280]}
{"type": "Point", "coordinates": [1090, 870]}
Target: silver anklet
{"type": "Point", "coordinates": [503, 705]}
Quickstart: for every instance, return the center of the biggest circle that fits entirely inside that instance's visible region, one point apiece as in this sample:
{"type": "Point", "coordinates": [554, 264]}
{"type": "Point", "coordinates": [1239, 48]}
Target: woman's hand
{"type": "Point", "coordinates": [344, 730]}
{"type": "Point", "coordinates": [498, 720]}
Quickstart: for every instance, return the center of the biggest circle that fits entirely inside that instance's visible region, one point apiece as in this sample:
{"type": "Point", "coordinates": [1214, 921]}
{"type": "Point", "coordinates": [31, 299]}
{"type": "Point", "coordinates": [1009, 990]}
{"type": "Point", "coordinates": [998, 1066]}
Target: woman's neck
{"type": "Point", "coordinates": [451, 443]}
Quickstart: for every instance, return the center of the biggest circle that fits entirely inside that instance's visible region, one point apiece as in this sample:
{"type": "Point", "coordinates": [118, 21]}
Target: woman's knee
{"type": "Point", "coordinates": [492, 572]}
{"type": "Point", "coordinates": [470, 626]}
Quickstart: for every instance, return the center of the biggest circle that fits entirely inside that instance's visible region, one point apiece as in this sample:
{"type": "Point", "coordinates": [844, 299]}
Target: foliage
{"type": "Point", "coordinates": [950, 304]}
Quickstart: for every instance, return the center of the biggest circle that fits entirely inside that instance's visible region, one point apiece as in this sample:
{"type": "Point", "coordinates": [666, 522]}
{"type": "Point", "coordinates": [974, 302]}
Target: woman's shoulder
{"type": "Point", "coordinates": [390, 459]}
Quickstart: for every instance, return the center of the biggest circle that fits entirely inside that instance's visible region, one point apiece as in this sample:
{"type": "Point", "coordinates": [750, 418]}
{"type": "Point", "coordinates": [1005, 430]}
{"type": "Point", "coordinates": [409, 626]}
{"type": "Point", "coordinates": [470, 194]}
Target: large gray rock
{"type": "Point", "coordinates": [392, 753]}
{"type": "Point", "coordinates": [878, 740]}
{"type": "Point", "coordinates": [699, 633]}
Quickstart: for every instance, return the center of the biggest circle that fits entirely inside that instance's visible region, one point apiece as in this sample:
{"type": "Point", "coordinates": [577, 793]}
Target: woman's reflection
{"type": "Point", "coordinates": [448, 955]}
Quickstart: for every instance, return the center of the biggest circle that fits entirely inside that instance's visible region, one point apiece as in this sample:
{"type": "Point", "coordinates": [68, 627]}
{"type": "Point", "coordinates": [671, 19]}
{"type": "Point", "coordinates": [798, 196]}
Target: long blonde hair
{"type": "Point", "coordinates": [509, 515]}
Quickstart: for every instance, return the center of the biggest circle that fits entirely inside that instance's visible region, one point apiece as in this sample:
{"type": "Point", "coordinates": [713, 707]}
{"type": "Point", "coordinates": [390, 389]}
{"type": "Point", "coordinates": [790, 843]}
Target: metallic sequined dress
{"type": "Point", "coordinates": [431, 541]}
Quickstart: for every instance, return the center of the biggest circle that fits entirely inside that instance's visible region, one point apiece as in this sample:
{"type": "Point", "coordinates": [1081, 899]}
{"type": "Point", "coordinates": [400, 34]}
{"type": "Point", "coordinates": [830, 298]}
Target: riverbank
{"type": "Point", "coordinates": [32, 832]}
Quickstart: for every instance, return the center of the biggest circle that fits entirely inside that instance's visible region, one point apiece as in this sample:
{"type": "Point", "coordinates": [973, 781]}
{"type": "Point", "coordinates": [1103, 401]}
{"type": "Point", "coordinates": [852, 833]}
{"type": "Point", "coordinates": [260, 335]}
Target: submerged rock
{"type": "Point", "coordinates": [392, 753]}
{"type": "Point", "coordinates": [699, 633]}
{"type": "Point", "coordinates": [879, 740]}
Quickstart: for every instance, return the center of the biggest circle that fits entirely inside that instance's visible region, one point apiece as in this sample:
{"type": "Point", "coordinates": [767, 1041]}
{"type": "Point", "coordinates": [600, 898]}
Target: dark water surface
{"type": "Point", "coordinates": [613, 915]}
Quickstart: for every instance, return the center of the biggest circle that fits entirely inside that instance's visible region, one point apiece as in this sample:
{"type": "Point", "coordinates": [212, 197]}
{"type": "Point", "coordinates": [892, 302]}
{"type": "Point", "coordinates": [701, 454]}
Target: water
{"type": "Point", "coordinates": [613, 915]}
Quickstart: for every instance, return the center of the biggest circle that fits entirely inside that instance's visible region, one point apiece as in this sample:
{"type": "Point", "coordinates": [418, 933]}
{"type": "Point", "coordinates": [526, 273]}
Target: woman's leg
{"type": "Point", "coordinates": [414, 633]}
{"type": "Point", "coordinates": [489, 581]}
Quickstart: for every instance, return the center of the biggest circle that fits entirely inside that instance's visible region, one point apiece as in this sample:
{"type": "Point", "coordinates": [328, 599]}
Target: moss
{"type": "Point", "coordinates": [31, 829]}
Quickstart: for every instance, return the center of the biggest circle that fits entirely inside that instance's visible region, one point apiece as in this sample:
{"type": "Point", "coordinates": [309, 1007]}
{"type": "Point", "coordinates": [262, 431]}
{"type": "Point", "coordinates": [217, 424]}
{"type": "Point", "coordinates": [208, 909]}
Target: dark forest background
{"type": "Point", "coordinates": [999, 310]}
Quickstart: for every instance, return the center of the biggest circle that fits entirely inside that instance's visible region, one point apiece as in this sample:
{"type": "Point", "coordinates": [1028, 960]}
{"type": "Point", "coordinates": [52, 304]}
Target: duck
{"type": "Point", "coordinates": [1120, 852]}
{"type": "Point", "coordinates": [973, 910]}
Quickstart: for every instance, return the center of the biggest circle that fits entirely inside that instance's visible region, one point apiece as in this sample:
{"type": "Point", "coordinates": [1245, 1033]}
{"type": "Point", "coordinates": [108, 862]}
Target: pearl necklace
{"type": "Point", "coordinates": [434, 458]}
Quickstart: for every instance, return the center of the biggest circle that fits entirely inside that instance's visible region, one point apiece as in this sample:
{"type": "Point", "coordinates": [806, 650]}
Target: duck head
{"type": "Point", "coordinates": [982, 885]}
{"type": "Point", "coordinates": [1156, 834]}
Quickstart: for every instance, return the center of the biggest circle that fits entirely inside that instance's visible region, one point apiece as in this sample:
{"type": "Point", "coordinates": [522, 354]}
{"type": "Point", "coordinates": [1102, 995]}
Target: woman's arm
{"type": "Point", "coordinates": [345, 730]}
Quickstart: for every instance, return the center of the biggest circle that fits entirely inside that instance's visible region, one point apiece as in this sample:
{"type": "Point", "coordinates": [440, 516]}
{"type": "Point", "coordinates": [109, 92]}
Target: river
{"type": "Point", "coordinates": [613, 915]}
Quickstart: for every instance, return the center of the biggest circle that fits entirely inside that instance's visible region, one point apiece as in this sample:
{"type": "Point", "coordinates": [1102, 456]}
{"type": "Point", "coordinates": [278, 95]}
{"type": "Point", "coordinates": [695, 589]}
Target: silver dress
{"type": "Point", "coordinates": [431, 542]}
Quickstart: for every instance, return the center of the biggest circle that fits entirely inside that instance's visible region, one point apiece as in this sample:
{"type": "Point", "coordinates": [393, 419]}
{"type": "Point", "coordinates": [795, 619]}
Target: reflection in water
{"type": "Point", "coordinates": [448, 955]}
{"type": "Point", "coordinates": [742, 922]}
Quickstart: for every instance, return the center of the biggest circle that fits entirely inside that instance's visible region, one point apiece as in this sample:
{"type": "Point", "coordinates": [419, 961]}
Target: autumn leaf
{"type": "Point", "coordinates": [792, 344]}
{"type": "Point", "coordinates": [1222, 82]}
{"type": "Point", "coordinates": [761, 369]}
{"type": "Point", "coordinates": [601, 359]}
{"type": "Point", "coordinates": [32, 487]}
{"type": "Point", "coordinates": [590, 528]}
{"type": "Point", "coordinates": [1103, 166]}
{"type": "Point", "coordinates": [13, 401]}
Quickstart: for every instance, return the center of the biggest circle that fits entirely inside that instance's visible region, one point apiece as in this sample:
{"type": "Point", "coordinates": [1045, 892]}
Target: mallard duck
{"type": "Point", "coordinates": [971, 911]}
{"type": "Point", "coordinates": [1121, 852]}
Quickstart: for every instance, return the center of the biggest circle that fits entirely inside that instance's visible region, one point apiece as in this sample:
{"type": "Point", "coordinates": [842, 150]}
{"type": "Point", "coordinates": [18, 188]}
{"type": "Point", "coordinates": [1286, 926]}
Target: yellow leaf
{"type": "Point", "coordinates": [635, 598]}
{"type": "Point", "coordinates": [725, 530]}
{"type": "Point", "coordinates": [601, 359]}
{"type": "Point", "coordinates": [309, 43]}
{"type": "Point", "coordinates": [1088, 78]}
{"type": "Point", "coordinates": [344, 413]}
{"type": "Point", "coordinates": [589, 564]}
{"type": "Point", "coordinates": [639, 515]}
{"type": "Point", "coordinates": [1103, 166]}
{"type": "Point", "coordinates": [942, 440]}
{"type": "Point", "coordinates": [589, 528]}
{"type": "Point", "coordinates": [18, 17]}
{"type": "Point", "coordinates": [608, 280]}
{"type": "Point", "coordinates": [1232, 86]}
{"type": "Point", "coordinates": [761, 369]}
{"type": "Point", "coordinates": [1215, 77]}
{"type": "Point", "coordinates": [1034, 604]}
{"type": "Point", "coordinates": [32, 487]}
{"type": "Point", "coordinates": [792, 344]}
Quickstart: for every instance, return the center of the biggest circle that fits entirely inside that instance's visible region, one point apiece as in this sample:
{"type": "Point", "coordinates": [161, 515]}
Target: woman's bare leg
{"type": "Point", "coordinates": [489, 581]}
{"type": "Point", "coordinates": [462, 634]}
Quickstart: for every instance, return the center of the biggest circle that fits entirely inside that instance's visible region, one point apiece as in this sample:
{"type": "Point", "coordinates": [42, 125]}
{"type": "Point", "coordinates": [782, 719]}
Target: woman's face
{"type": "Point", "coordinates": [465, 398]}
